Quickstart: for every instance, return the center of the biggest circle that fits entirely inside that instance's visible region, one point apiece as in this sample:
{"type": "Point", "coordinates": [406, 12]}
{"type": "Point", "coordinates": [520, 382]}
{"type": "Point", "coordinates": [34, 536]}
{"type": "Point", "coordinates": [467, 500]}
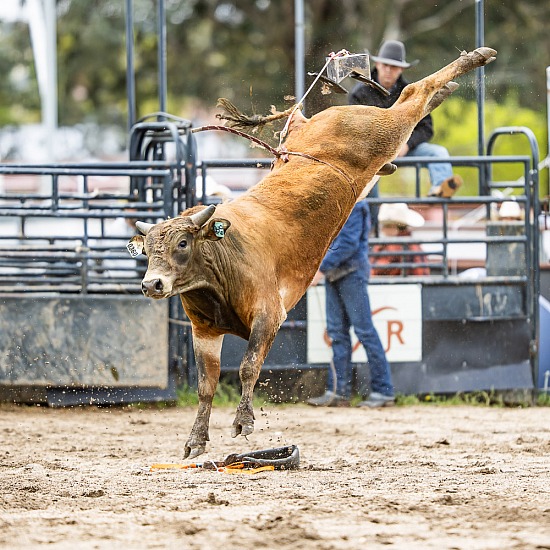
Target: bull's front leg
{"type": "Point", "coordinates": [264, 330]}
{"type": "Point", "coordinates": [207, 356]}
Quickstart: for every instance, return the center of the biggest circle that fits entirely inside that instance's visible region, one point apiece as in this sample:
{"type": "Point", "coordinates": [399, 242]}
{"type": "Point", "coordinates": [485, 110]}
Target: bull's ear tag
{"type": "Point", "coordinates": [218, 229]}
{"type": "Point", "coordinates": [135, 246]}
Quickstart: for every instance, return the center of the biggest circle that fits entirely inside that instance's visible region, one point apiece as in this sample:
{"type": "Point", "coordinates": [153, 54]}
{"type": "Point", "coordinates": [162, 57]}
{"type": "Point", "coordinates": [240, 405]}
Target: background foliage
{"type": "Point", "coordinates": [244, 50]}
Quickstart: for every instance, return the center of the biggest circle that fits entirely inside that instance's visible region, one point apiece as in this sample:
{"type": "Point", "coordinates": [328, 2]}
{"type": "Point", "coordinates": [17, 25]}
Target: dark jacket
{"type": "Point", "coordinates": [367, 95]}
{"type": "Point", "coordinates": [349, 250]}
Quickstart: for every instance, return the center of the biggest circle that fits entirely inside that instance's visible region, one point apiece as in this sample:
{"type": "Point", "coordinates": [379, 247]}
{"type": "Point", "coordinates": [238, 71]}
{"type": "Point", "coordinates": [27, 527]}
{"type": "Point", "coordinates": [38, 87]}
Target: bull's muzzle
{"type": "Point", "coordinates": [152, 288]}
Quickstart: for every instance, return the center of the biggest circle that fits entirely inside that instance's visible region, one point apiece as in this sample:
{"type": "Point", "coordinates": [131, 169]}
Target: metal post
{"type": "Point", "coordinates": [130, 77]}
{"type": "Point", "coordinates": [299, 49]}
{"type": "Point", "coordinates": [548, 119]}
{"type": "Point", "coordinates": [480, 78]}
{"type": "Point", "coordinates": [51, 114]}
{"type": "Point", "coordinates": [162, 55]}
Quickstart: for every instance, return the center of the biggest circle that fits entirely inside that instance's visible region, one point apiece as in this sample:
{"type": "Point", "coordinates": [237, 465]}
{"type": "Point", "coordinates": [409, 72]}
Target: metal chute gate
{"type": "Point", "coordinates": [75, 328]}
{"type": "Point", "coordinates": [468, 334]}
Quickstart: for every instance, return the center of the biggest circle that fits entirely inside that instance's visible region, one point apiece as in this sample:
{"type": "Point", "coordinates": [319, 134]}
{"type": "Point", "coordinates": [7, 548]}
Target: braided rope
{"type": "Point", "coordinates": [280, 153]}
{"type": "Point", "coordinates": [238, 133]}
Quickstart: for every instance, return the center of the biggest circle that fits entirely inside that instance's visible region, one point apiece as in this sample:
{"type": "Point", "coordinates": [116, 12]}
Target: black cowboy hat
{"type": "Point", "coordinates": [392, 52]}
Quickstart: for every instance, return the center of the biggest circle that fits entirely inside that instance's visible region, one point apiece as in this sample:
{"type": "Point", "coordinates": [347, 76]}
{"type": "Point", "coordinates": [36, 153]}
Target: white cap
{"type": "Point", "coordinates": [510, 209]}
{"type": "Point", "coordinates": [400, 214]}
{"type": "Point", "coordinates": [213, 188]}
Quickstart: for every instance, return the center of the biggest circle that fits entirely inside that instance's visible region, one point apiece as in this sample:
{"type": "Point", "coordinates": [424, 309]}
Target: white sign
{"type": "Point", "coordinates": [397, 316]}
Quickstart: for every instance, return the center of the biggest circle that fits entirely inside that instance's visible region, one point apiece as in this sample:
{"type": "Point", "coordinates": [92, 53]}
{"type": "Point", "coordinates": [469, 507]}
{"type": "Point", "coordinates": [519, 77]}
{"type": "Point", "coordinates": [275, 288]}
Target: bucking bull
{"type": "Point", "coordinates": [241, 266]}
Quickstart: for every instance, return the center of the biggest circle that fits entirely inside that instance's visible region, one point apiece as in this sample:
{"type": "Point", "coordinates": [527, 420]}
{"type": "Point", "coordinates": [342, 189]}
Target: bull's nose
{"type": "Point", "coordinates": [152, 287]}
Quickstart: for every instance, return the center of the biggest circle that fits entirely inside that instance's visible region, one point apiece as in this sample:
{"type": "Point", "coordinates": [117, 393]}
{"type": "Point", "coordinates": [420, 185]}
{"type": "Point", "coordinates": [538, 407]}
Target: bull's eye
{"type": "Point", "coordinates": [182, 244]}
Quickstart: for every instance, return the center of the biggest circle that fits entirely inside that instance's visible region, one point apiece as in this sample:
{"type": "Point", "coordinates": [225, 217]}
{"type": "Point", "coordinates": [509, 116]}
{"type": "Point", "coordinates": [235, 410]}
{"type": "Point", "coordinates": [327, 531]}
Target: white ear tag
{"type": "Point", "coordinates": [135, 246]}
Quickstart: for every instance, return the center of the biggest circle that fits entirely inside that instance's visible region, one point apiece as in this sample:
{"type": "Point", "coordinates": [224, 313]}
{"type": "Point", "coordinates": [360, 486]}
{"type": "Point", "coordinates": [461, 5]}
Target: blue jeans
{"type": "Point", "coordinates": [347, 305]}
{"type": "Point", "coordinates": [439, 171]}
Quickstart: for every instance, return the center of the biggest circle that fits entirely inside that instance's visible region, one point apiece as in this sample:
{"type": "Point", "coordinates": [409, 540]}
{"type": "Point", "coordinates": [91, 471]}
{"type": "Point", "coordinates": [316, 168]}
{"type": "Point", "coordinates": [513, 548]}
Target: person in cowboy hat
{"type": "Point", "coordinates": [389, 66]}
{"type": "Point", "coordinates": [396, 221]}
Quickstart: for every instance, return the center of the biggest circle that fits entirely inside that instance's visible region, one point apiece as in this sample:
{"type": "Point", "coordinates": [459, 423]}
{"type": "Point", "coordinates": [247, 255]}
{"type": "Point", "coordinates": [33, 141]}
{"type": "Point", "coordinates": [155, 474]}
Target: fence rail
{"type": "Point", "coordinates": [73, 241]}
{"type": "Point", "coordinates": [69, 236]}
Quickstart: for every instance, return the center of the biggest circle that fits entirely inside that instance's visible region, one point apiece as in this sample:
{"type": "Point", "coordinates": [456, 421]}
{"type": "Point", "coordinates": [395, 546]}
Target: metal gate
{"type": "Point", "coordinates": [75, 328]}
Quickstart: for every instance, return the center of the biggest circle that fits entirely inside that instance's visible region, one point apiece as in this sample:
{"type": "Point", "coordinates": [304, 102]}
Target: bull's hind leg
{"type": "Point", "coordinates": [435, 83]}
{"type": "Point", "coordinates": [264, 330]}
{"type": "Point", "coordinates": [441, 96]}
{"type": "Point", "coordinates": [207, 357]}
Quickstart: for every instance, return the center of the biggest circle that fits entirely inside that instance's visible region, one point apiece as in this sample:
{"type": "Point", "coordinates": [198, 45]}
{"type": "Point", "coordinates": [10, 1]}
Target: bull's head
{"type": "Point", "coordinates": [171, 246]}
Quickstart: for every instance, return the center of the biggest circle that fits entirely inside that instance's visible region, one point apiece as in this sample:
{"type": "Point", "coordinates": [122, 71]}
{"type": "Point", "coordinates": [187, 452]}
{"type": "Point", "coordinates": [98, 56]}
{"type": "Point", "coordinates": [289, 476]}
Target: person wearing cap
{"type": "Point", "coordinates": [345, 268]}
{"type": "Point", "coordinates": [213, 190]}
{"type": "Point", "coordinates": [396, 221]}
{"type": "Point", "coordinates": [389, 66]}
{"type": "Point", "coordinates": [510, 211]}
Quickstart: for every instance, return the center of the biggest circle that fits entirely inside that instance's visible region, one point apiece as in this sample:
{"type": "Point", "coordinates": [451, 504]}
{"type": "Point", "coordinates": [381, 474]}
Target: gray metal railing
{"type": "Point", "coordinates": [70, 235]}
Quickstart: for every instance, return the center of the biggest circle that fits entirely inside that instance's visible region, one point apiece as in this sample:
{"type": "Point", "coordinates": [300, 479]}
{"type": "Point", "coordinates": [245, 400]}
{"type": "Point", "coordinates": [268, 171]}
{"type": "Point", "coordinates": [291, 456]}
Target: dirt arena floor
{"type": "Point", "coordinates": [417, 477]}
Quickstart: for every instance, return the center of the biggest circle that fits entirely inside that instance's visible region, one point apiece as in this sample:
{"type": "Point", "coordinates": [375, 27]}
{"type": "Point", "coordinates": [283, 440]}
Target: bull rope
{"type": "Point", "coordinates": [280, 153]}
{"type": "Point", "coordinates": [330, 57]}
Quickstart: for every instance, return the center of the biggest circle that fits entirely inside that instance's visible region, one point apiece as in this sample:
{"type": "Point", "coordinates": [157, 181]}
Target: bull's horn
{"type": "Point", "coordinates": [200, 218]}
{"type": "Point", "coordinates": [145, 227]}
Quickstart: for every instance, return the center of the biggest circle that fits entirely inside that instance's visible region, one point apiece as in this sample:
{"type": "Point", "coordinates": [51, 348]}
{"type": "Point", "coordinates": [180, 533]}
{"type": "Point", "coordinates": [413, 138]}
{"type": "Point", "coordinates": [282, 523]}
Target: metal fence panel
{"type": "Point", "coordinates": [76, 341]}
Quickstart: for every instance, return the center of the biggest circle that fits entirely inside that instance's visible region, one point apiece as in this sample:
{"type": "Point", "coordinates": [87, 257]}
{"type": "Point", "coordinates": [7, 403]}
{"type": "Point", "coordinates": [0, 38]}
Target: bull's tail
{"type": "Point", "coordinates": [240, 121]}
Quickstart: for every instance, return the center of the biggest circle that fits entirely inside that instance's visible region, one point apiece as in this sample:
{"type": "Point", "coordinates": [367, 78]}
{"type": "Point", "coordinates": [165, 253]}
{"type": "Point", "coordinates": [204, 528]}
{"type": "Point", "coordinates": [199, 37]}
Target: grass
{"type": "Point", "coordinates": [513, 398]}
{"type": "Point", "coordinates": [229, 395]}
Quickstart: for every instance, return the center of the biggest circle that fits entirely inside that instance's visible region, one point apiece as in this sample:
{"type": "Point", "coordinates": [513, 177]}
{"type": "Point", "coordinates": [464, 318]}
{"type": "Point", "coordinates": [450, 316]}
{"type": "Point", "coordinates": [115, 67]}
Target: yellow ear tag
{"type": "Point", "coordinates": [135, 246]}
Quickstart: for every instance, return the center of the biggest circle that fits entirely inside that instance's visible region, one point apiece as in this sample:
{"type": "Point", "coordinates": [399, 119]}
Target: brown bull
{"type": "Point", "coordinates": [240, 267]}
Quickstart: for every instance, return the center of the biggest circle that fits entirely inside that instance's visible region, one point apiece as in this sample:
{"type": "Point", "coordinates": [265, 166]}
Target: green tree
{"type": "Point", "coordinates": [456, 127]}
{"type": "Point", "coordinates": [244, 50]}
{"type": "Point", "coordinates": [19, 99]}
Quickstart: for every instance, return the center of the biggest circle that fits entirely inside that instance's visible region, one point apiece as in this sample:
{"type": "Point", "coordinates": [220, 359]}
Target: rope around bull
{"type": "Point", "coordinates": [280, 153]}
{"type": "Point", "coordinates": [239, 120]}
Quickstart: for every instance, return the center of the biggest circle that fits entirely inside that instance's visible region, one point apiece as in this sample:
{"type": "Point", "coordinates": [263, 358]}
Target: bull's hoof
{"type": "Point", "coordinates": [244, 421]}
{"type": "Point", "coordinates": [442, 95]}
{"type": "Point", "coordinates": [451, 86]}
{"type": "Point", "coordinates": [193, 449]}
{"type": "Point", "coordinates": [387, 169]}
{"type": "Point", "coordinates": [488, 54]}
{"type": "Point", "coordinates": [241, 429]}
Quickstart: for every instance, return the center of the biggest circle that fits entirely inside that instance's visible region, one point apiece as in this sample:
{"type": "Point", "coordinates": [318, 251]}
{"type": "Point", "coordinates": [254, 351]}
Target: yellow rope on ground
{"type": "Point", "coordinates": [241, 470]}
{"type": "Point", "coordinates": [235, 468]}
{"type": "Point", "coordinates": [160, 466]}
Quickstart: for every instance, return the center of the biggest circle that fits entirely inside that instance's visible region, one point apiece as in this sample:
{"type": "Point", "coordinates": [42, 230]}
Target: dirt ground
{"type": "Point", "coordinates": [418, 477]}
